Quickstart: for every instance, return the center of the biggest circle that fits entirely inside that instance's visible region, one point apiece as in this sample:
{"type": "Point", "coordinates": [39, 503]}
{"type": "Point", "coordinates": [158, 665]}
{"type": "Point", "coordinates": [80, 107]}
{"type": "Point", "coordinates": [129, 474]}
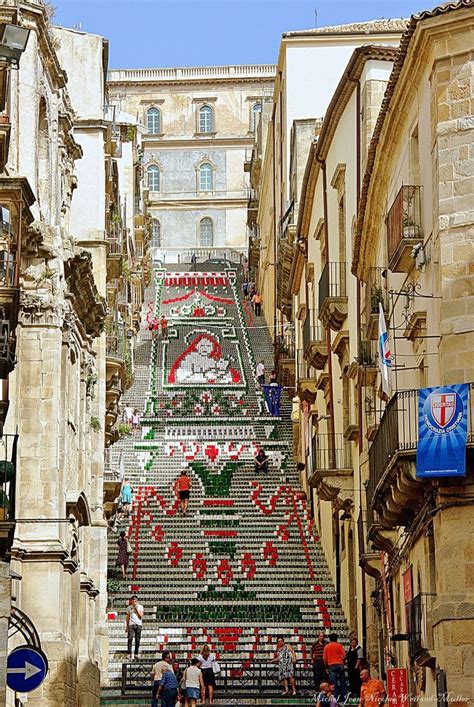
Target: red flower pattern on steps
{"type": "Point", "coordinates": [224, 573]}
{"type": "Point", "coordinates": [248, 566]}
{"type": "Point", "coordinates": [199, 566]}
{"type": "Point", "coordinates": [174, 554]}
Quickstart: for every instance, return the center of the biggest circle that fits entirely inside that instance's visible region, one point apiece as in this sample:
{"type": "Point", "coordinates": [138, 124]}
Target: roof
{"type": "Point", "coordinates": [393, 80]}
{"type": "Point", "coordinates": [384, 26]}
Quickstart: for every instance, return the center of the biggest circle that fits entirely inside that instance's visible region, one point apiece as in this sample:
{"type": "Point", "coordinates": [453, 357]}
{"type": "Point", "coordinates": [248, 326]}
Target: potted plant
{"type": "Point", "coordinates": [410, 228]}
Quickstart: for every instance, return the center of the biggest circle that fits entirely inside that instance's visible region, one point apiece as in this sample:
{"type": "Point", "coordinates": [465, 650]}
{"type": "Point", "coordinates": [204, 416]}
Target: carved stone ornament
{"type": "Point", "coordinates": [40, 310]}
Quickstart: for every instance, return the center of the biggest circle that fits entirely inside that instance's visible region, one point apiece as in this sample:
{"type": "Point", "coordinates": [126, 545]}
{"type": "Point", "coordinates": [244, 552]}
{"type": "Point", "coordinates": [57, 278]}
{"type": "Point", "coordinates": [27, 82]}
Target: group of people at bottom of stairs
{"type": "Point", "coordinates": [174, 685]}
{"type": "Point", "coordinates": [330, 662]}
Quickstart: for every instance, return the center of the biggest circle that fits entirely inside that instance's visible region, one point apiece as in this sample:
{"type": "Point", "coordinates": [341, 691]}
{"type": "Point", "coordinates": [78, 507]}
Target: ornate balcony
{"type": "Point", "coordinates": [367, 361]}
{"type": "Point", "coordinates": [305, 380]}
{"type": "Point", "coordinates": [404, 229]}
{"type": "Point", "coordinates": [8, 447]}
{"type": "Point", "coordinates": [315, 347]}
{"type": "Point", "coordinates": [5, 129]}
{"type": "Point", "coordinates": [393, 490]}
{"type": "Point", "coordinates": [118, 374]}
{"type": "Point", "coordinates": [333, 295]}
{"type": "Point", "coordinates": [115, 253]}
{"type": "Point", "coordinates": [331, 473]}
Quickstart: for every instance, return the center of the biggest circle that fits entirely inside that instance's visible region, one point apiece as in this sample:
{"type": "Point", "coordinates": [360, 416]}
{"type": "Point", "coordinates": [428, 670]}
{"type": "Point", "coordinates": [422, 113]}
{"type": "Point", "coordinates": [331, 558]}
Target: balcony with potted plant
{"type": "Point", "coordinates": [404, 228]}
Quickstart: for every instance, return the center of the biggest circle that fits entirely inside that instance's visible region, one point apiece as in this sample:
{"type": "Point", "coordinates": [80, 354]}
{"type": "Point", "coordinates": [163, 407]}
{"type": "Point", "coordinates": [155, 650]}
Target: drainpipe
{"type": "Point", "coordinates": [332, 426]}
{"type": "Point", "coordinates": [359, 329]}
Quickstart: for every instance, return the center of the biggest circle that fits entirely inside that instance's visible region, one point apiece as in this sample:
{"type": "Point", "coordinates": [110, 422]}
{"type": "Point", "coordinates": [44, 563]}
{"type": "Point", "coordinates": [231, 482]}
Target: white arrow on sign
{"type": "Point", "coordinates": [29, 670]}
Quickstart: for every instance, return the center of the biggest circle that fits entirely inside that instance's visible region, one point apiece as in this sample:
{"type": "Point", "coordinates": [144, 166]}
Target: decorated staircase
{"type": "Point", "coordinates": [245, 564]}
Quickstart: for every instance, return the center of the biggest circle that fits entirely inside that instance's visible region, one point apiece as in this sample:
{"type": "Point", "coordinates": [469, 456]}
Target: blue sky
{"type": "Point", "coordinates": [198, 32]}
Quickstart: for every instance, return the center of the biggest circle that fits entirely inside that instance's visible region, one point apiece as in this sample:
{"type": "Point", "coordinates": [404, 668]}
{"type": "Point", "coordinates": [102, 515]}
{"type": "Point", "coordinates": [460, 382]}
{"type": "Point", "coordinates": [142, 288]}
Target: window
{"type": "Point", "coordinates": [206, 232]}
{"type": "Point", "coordinates": [256, 110]}
{"type": "Point", "coordinates": [205, 177]}
{"type": "Point", "coordinates": [205, 119]}
{"type": "Point", "coordinates": [153, 174]}
{"type": "Point", "coordinates": [156, 234]}
{"type": "Point", "coordinates": [153, 121]}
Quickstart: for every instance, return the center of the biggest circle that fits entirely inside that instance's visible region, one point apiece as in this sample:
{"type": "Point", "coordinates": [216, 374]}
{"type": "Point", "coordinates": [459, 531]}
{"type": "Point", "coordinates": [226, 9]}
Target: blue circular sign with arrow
{"type": "Point", "coordinates": [27, 667]}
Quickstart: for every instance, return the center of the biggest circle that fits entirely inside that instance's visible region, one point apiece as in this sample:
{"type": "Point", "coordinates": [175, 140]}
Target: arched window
{"type": "Point", "coordinates": [153, 121]}
{"type": "Point", "coordinates": [156, 233]}
{"type": "Point", "coordinates": [205, 119]}
{"type": "Point", "coordinates": [205, 177]}
{"type": "Point", "coordinates": [206, 232]}
{"type": "Point", "coordinates": [256, 110]}
{"type": "Point", "coordinates": [153, 173]}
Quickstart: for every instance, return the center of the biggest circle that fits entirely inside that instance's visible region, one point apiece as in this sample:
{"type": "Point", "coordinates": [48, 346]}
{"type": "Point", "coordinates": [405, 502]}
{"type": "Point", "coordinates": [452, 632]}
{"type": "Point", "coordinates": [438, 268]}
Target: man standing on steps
{"type": "Point", "coordinates": [334, 656]}
{"type": "Point", "coordinates": [133, 625]}
{"type": "Point", "coordinates": [182, 487]}
{"type": "Point", "coordinates": [319, 669]}
{"type": "Point", "coordinates": [157, 672]}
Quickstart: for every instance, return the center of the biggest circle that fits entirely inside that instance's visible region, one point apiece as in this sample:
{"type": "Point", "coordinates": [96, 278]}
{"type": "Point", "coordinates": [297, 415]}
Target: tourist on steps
{"type": "Point", "coordinates": [182, 487]}
{"type": "Point", "coordinates": [179, 672]}
{"type": "Point", "coordinates": [135, 420]}
{"type": "Point", "coordinates": [126, 497]}
{"type": "Point", "coordinates": [168, 686]}
{"type": "Point", "coordinates": [285, 656]}
{"type": "Point", "coordinates": [260, 372]}
{"type": "Point", "coordinates": [261, 462]}
{"type": "Point", "coordinates": [133, 625]}
{"type": "Point", "coordinates": [124, 551]}
{"type": "Point", "coordinates": [193, 683]}
{"type": "Point", "coordinates": [157, 673]}
{"type": "Point", "coordinates": [206, 661]}
{"type": "Point", "coordinates": [355, 663]}
{"type": "Point", "coordinates": [334, 656]}
{"type": "Point", "coordinates": [257, 300]}
{"type": "Point", "coordinates": [372, 692]}
{"type": "Point", "coordinates": [325, 697]}
{"type": "Point", "coordinates": [164, 328]}
{"type": "Point", "coordinates": [319, 669]}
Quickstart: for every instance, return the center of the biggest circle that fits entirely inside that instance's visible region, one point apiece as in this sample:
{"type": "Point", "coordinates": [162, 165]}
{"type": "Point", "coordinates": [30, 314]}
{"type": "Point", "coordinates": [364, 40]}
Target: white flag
{"type": "Point", "coordinates": [385, 360]}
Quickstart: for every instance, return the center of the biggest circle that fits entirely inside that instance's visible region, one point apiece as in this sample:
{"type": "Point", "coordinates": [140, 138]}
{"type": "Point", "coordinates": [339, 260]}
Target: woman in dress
{"type": "Point", "coordinates": [285, 656]}
{"type": "Point", "coordinates": [206, 661]}
{"type": "Point", "coordinates": [122, 559]}
{"type": "Point", "coordinates": [126, 497]}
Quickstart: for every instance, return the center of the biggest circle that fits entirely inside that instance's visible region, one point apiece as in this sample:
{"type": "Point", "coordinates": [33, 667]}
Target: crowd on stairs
{"type": "Point", "coordinates": [244, 575]}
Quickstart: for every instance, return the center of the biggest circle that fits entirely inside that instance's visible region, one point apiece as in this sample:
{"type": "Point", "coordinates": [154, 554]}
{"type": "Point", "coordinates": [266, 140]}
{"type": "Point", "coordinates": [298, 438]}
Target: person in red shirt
{"type": "Point", "coordinates": [164, 328]}
{"type": "Point", "coordinates": [334, 656]}
{"type": "Point", "coordinates": [182, 487]}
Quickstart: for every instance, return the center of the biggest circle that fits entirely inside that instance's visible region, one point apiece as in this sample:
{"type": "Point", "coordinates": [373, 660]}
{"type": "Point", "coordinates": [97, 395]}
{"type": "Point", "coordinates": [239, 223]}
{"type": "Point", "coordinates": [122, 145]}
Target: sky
{"type": "Point", "coordinates": [155, 33]}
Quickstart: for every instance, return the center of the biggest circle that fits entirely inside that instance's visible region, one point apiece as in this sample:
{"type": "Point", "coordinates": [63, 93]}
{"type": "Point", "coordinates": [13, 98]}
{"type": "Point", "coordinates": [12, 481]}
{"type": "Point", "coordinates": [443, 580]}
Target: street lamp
{"type": "Point", "coordinates": [295, 409]}
{"type": "Point", "coordinates": [13, 41]}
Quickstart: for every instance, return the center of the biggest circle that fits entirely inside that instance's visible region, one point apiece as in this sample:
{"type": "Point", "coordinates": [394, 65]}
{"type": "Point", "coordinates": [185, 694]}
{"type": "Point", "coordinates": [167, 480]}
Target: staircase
{"type": "Point", "coordinates": [245, 565]}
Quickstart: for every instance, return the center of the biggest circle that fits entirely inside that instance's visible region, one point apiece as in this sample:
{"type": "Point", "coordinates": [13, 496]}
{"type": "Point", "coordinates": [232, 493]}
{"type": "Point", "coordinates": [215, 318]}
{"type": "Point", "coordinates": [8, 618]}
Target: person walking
{"type": "Point", "coordinates": [319, 669]}
{"type": "Point", "coordinates": [133, 625]}
{"type": "Point", "coordinates": [372, 691]}
{"type": "Point", "coordinates": [355, 663]}
{"type": "Point", "coordinates": [285, 656]}
{"type": "Point", "coordinates": [164, 328]}
{"type": "Point", "coordinates": [193, 261]}
{"type": "Point", "coordinates": [261, 462]}
{"type": "Point", "coordinates": [179, 672]}
{"type": "Point", "coordinates": [124, 552]}
{"type": "Point", "coordinates": [193, 683]}
{"type": "Point", "coordinates": [126, 497]}
{"type": "Point", "coordinates": [257, 300]}
{"type": "Point", "coordinates": [135, 420]}
{"type": "Point", "coordinates": [334, 656]}
{"type": "Point", "coordinates": [157, 673]}
{"type": "Point", "coordinates": [127, 415]}
{"type": "Point", "coordinates": [260, 372]}
{"type": "Point", "coordinates": [206, 662]}
{"type": "Point", "coordinates": [182, 488]}
{"type": "Point", "coordinates": [272, 378]}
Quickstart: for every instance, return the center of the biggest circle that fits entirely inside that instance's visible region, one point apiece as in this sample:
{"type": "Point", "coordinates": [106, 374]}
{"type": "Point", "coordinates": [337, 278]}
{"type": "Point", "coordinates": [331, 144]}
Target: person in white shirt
{"type": "Point", "coordinates": [133, 625]}
{"type": "Point", "coordinates": [260, 372]}
{"type": "Point", "coordinates": [206, 660]}
{"type": "Point", "coordinates": [194, 683]}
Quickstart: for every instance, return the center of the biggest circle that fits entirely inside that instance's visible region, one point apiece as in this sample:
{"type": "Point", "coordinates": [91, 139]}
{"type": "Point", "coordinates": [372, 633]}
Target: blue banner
{"type": "Point", "coordinates": [442, 431]}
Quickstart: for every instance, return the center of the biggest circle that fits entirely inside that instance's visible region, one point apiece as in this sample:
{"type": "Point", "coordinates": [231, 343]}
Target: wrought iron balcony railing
{"type": "Point", "coordinates": [404, 228]}
{"type": "Point", "coordinates": [8, 447]}
{"type": "Point", "coordinates": [331, 453]}
{"type": "Point", "coordinates": [333, 295]}
{"type": "Point", "coordinates": [397, 436]}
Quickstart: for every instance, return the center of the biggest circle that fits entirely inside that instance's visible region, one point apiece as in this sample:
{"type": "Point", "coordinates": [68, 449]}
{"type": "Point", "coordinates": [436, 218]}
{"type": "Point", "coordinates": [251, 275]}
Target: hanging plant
{"type": "Point", "coordinates": [95, 424]}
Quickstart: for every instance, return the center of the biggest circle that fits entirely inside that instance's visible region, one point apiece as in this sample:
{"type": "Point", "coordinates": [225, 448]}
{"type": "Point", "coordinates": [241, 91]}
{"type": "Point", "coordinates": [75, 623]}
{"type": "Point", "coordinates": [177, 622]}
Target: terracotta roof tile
{"type": "Point", "coordinates": [370, 27]}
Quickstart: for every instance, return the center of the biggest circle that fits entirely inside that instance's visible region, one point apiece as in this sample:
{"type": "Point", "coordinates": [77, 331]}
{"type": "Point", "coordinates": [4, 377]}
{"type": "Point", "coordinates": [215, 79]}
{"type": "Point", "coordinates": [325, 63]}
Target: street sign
{"type": "Point", "coordinates": [27, 667]}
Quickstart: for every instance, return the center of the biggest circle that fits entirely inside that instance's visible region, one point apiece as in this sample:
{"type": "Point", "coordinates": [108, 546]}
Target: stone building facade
{"type": "Point", "coordinates": [199, 123]}
{"type": "Point", "coordinates": [62, 241]}
{"type": "Point", "coordinates": [385, 222]}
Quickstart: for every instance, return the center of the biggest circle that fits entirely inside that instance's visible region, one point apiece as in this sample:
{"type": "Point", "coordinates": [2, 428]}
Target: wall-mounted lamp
{"type": "Point", "coordinates": [13, 41]}
{"type": "Point", "coordinates": [295, 409]}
